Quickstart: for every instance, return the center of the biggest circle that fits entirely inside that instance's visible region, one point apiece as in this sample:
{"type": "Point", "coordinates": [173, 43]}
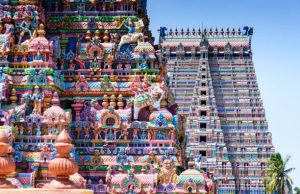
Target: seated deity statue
{"type": "Point", "coordinates": [168, 174]}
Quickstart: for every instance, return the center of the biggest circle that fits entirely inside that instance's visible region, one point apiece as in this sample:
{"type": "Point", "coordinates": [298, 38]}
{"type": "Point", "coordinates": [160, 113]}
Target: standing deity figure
{"type": "Point", "coordinates": [135, 134]}
{"type": "Point", "coordinates": [143, 65]}
{"type": "Point", "coordinates": [122, 157]}
{"type": "Point", "coordinates": [38, 131]}
{"type": "Point", "coordinates": [37, 98]}
{"type": "Point", "coordinates": [26, 26]}
{"type": "Point", "coordinates": [172, 134]}
{"type": "Point", "coordinates": [110, 135]}
{"type": "Point", "coordinates": [146, 84]}
{"type": "Point", "coordinates": [168, 174]}
{"type": "Point", "coordinates": [81, 9]}
{"type": "Point", "coordinates": [87, 133]}
{"type": "Point", "coordinates": [97, 133]}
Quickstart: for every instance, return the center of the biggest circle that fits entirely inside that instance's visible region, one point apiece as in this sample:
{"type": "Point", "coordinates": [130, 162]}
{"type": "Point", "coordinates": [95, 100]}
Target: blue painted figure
{"type": "Point", "coordinates": [110, 135]}
{"type": "Point", "coordinates": [25, 26]}
{"type": "Point", "coordinates": [130, 26]}
{"type": "Point", "coordinates": [143, 65]}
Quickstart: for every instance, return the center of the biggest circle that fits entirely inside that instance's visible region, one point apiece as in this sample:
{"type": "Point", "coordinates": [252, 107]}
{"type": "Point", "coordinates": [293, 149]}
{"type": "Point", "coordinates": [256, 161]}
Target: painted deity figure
{"type": "Point", "coordinates": [130, 26]}
{"type": "Point", "coordinates": [135, 134]}
{"type": "Point", "coordinates": [167, 156]}
{"type": "Point", "coordinates": [87, 133]}
{"type": "Point", "coordinates": [146, 84]}
{"type": "Point", "coordinates": [37, 98]}
{"type": "Point", "coordinates": [143, 135]}
{"type": "Point", "coordinates": [38, 131]}
{"type": "Point", "coordinates": [41, 77]}
{"type": "Point", "coordinates": [143, 65]}
{"type": "Point", "coordinates": [122, 157]}
{"type": "Point", "coordinates": [38, 55]}
{"type": "Point", "coordinates": [119, 66]}
{"type": "Point", "coordinates": [21, 130]}
{"type": "Point", "coordinates": [26, 26]}
{"type": "Point", "coordinates": [81, 9]}
{"type": "Point", "coordinates": [110, 135]}
{"type": "Point", "coordinates": [168, 174]}
{"type": "Point", "coordinates": [19, 112]}
{"type": "Point", "coordinates": [135, 33]}
{"type": "Point", "coordinates": [124, 133]}
{"type": "Point", "coordinates": [127, 66]}
{"type": "Point", "coordinates": [3, 84]}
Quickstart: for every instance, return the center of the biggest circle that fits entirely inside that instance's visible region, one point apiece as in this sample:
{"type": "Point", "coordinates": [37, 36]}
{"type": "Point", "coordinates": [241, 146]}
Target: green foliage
{"type": "Point", "coordinates": [49, 71]}
{"type": "Point", "coordinates": [149, 71]}
{"type": "Point", "coordinates": [297, 190]}
{"type": "Point", "coordinates": [278, 175]}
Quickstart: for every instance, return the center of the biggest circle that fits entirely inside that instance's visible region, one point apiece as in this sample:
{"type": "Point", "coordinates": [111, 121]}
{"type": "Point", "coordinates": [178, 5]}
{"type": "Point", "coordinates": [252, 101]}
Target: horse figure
{"type": "Point", "coordinates": [153, 98]}
{"type": "Point", "coordinates": [133, 37]}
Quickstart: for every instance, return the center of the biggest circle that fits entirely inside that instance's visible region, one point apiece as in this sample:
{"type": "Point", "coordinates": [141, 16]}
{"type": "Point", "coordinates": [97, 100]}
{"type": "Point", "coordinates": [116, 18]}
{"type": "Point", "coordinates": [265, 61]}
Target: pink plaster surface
{"type": "Point", "coordinates": [45, 191]}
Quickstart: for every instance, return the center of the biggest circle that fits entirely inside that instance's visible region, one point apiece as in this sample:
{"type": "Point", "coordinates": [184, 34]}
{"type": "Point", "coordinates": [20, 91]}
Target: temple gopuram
{"type": "Point", "coordinates": [85, 105]}
{"type": "Point", "coordinates": [212, 78]}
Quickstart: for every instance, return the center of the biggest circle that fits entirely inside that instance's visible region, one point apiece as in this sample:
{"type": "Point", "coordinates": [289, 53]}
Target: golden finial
{"type": "Point", "coordinates": [106, 36]}
{"type": "Point", "coordinates": [112, 103]}
{"type": "Point", "coordinates": [41, 30]}
{"type": "Point", "coordinates": [97, 35]}
{"type": "Point", "coordinates": [120, 102]}
{"type": "Point", "coordinates": [88, 36]}
{"type": "Point", "coordinates": [105, 102]}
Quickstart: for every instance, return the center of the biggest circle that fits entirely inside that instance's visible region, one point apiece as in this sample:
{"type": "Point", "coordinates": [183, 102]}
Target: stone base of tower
{"type": "Point", "coordinates": [46, 191]}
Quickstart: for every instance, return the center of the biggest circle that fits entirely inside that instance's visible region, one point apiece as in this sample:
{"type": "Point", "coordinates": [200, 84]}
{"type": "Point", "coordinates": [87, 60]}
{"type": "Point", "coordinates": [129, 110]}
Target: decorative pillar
{"type": "Point", "coordinates": [7, 166]}
{"type": "Point", "coordinates": [77, 106]}
{"type": "Point", "coordinates": [97, 35]}
{"type": "Point", "coordinates": [13, 98]}
{"type": "Point", "coordinates": [62, 166]}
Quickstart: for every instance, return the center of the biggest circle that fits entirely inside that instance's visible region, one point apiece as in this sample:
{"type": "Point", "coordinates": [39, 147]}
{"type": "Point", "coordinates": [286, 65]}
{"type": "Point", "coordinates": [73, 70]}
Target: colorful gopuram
{"type": "Point", "coordinates": [86, 107]}
{"type": "Point", "coordinates": [212, 78]}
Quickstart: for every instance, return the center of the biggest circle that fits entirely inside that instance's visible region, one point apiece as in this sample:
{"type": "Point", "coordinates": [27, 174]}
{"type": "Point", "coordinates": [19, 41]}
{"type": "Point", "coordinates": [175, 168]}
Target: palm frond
{"type": "Point", "coordinates": [289, 170]}
{"type": "Point", "coordinates": [277, 174]}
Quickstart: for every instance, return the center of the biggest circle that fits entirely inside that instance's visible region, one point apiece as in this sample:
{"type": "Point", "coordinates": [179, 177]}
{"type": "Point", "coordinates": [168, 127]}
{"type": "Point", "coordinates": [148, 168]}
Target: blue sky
{"type": "Point", "coordinates": [276, 54]}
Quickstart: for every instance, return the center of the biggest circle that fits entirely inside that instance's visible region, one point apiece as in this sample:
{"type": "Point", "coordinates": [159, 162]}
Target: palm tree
{"type": "Point", "coordinates": [277, 175]}
{"type": "Point", "coordinates": [297, 190]}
